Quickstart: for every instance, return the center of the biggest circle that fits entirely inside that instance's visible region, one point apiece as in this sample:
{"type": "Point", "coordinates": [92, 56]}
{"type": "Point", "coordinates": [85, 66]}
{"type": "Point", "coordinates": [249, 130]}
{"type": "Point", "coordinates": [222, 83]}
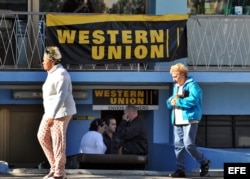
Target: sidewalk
{"type": "Point", "coordinates": [101, 174]}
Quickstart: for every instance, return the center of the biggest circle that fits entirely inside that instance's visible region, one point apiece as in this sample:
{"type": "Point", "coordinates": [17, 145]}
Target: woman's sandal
{"type": "Point", "coordinates": [51, 174]}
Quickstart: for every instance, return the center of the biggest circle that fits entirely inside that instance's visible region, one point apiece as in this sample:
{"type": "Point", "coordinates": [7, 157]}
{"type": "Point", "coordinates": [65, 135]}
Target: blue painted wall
{"type": "Point", "coordinates": [6, 97]}
{"type": "Point", "coordinates": [226, 99]}
{"type": "Point", "coordinates": [161, 122]}
{"type": "Point", "coordinates": [220, 91]}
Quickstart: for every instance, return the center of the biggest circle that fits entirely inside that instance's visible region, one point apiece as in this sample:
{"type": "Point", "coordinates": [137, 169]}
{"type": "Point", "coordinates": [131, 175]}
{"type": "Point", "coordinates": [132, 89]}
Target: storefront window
{"type": "Point", "coordinates": [219, 7]}
{"type": "Point", "coordinates": [94, 6]}
{"type": "Point", "coordinates": [224, 131]}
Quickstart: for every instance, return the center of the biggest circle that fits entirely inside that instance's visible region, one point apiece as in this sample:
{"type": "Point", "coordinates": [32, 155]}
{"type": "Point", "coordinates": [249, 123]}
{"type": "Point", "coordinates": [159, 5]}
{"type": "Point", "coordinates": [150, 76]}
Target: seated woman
{"type": "Point", "coordinates": [92, 141]}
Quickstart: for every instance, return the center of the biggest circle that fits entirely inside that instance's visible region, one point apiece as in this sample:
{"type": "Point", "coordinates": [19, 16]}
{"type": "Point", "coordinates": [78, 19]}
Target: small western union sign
{"type": "Point", "coordinates": [118, 99]}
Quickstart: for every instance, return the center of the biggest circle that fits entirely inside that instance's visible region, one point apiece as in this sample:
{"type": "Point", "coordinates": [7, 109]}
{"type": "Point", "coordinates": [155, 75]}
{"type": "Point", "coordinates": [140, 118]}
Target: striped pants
{"type": "Point", "coordinates": [53, 142]}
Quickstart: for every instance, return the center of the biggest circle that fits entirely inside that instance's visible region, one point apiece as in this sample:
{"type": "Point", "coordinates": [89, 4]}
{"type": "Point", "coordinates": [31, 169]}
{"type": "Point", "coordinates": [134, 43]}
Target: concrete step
{"type": "Point", "coordinates": [195, 173]}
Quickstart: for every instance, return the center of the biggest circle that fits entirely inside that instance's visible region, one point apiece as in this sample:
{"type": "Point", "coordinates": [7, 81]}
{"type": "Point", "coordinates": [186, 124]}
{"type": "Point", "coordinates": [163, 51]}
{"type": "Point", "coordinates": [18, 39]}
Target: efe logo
{"type": "Point", "coordinates": [239, 170]}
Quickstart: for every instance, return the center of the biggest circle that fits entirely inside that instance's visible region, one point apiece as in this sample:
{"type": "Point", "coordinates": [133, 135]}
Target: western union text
{"type": "Point", "coordinates": [122, 96]}
{"type": "Point", "coordinates": [122, 44]}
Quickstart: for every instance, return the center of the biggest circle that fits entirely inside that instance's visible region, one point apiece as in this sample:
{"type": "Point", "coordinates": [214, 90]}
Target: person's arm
{"type": "Point", "coordinates": [129, 130]}
{"type": "Point", "coordinates": [100, 146]}
{"type": "Point", "coordinates": [194, 95]}
{"type": "Point", "coordinates": [169, 101]}
{"type": "Point", "coordinates": [61, 87]}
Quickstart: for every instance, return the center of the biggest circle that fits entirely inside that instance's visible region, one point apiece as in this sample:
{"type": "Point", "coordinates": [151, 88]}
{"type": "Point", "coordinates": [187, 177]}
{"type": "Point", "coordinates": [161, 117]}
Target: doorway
{"type": "Point", "coordinates": [24, 148]}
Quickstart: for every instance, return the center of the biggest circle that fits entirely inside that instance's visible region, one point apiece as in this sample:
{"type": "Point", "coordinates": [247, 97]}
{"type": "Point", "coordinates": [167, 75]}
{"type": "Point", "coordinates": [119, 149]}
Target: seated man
{"type": "Point", "coordinates": [92, 141]}
{"type": "Point", "coordinates": [133, 133]}
{"type": "Point", "coordinates": [110, 136]}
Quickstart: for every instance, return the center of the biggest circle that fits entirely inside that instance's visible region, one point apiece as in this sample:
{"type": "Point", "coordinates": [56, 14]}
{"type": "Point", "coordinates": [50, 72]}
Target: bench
{"type": "Point", "coordinates": [107, 161]}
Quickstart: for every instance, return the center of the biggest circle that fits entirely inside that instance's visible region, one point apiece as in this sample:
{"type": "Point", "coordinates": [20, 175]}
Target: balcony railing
{"type": "Point", "coordinates": [215, 43]}
{"type": "Point", "coordinates": [22, 40]}
{"type": "Point", "coordinates": [219, 42]}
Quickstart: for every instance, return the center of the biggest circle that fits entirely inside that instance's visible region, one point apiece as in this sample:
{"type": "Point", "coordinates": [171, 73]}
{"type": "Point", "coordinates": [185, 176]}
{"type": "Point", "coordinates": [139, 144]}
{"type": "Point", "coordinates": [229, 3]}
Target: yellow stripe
{"type": "Point", "coordinates": [60, 20]}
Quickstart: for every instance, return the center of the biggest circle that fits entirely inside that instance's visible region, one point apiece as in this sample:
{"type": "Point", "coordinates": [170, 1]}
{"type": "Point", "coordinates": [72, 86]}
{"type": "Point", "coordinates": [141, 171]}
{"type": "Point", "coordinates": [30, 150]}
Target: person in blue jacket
{"type": "Point", "coordinates": [186, 107]}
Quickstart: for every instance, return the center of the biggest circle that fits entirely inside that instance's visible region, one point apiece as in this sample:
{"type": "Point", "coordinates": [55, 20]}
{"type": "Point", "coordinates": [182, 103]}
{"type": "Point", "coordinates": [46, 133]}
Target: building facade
{"type": "Point", "coordinates": [218, 58]}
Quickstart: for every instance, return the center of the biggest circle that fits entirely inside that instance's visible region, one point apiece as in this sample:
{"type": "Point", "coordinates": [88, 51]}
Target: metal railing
{"type": "Point", "coordinates": [215, 43]}
{"type": "Point", "coordinates": [21, 40]}
{"type": "Point", "coordinates": [219, 42]}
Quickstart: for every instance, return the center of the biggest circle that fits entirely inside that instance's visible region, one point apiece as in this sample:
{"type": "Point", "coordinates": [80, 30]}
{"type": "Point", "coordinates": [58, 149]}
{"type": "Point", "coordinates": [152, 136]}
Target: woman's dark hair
{"type": "Point", "coordinates": [95, 123]}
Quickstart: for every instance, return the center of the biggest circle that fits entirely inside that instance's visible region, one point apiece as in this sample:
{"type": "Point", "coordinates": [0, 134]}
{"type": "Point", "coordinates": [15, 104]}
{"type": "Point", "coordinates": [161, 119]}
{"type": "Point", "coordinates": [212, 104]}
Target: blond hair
{"type": "Point", "coordinates": [179, 67]}
{"type": "Point", "coordinates": [53, 53]}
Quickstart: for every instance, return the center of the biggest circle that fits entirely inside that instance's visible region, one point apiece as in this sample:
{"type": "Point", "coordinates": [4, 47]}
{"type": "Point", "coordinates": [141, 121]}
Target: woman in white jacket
{"type": "Point", "coordinates": [59, 106]}
{"type": "Point", "coordinates": [92, 142]}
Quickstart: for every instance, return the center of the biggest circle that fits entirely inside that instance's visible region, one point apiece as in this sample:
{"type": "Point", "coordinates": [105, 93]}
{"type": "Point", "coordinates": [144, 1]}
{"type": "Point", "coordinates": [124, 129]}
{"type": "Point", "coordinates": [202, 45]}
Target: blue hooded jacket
{"type": "Point", "coordinates": [190, 102]}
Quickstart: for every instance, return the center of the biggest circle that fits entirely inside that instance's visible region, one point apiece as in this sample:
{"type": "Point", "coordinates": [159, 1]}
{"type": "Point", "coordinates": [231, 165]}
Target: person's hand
{"type": "Point", "coordinates": [125, 117]}
{"type": "Point", "coordinates": [173, 102]}
{"type": "Point", "coordinates": [50, 122]}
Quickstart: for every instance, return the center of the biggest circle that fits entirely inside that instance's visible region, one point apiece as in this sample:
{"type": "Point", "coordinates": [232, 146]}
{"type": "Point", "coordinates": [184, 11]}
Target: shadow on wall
{"type": "Point", "coordinates": [220, 156]}
{"type": "Point", "coordinates": [162, 158]}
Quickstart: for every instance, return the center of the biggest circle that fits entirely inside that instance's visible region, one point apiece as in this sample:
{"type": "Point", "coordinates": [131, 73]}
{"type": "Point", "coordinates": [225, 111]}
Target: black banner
{"type": "Point", "coordinates": [117, 99]}
{"type": "Point", "coordinates": [103, 39]}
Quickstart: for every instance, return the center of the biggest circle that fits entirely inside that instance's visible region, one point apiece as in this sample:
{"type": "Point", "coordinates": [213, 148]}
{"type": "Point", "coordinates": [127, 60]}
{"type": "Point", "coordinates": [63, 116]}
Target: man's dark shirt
{"type": "Point", "coordinates": [134, 137]}
{"type": "Point", "coordinates": [112, 144]}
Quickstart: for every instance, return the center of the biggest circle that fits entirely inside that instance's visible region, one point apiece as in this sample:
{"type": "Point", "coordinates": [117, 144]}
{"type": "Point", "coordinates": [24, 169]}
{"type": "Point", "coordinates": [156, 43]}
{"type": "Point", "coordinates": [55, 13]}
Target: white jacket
{"type": "Point", "coordinates": [92, 143]}
{"type": "Point", "coordinates": [57, 93]}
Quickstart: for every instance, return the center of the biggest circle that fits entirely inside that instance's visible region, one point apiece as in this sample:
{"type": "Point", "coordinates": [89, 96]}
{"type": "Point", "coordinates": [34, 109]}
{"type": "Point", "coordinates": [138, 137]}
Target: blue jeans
{"type": "Point", "coordinates": [185, 140]}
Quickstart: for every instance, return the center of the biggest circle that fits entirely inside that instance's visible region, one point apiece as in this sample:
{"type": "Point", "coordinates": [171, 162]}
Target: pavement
{"type": "Point", "coordinates": [24, 173]}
